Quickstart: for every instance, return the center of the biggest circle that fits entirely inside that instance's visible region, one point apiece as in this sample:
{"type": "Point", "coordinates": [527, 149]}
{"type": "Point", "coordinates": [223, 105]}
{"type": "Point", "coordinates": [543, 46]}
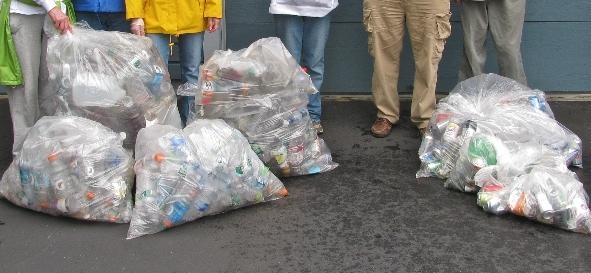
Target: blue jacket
{"type": "Point", "coordinates": [99, 5]}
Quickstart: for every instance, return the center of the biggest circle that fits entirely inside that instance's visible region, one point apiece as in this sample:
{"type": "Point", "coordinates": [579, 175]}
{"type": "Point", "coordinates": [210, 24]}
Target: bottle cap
{"type": "Point", "coordinates": [90, 195]}
{"type": "Point", "coordinates": [52, 157]}
{"type": "Point", "coordinates": [159, 157]}
{"type": "Point", "coordinates": [283, 192]}
{"type": "Point", "coordinates": [59, 185]}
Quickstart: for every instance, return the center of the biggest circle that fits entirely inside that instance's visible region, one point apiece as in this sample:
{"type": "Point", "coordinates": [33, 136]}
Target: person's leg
{"type": "Point", "coordinates": [191, 56]}
{"type": "Point", "coordinates": [115, 21]}
{"type": "Point", "coordinates": [315, 36]}
{"type": "Point", "coordinates": [47, 90]}
{"type": "Point", "coordinates": [161, 42]}
{"type": "Point", "coordinates": [475, 26]}
{"type": "Point", "coordinates": [506, 26]}
{"type": "Point", "coordinates": [384, 20]}
{"type": "Point", "coordinates": [289, 29]}
{"type": "Point", "coordinates": [27, 32]}
{"type": "Point", "coordinates": [429, 27]}
{"type": "Point", "coordinates": [92, 18]}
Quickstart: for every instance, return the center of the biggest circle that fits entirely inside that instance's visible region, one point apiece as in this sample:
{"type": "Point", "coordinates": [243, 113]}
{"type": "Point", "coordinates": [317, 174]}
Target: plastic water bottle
{"type": "Point", "coordinates": [60, 176]}
{"type": "Point", "coordinates": [177, 211]}
{"type": "Point", "coordinates": [155, 83]}
{"type": "Point", "coordinates": [139, 94]}
{"type": "Point", "coordinates": [27, 185]}
{"type": "Point", "coordinates": [73, 206]}
{"type": "Point", "coordinates": [302, 81]}
{"type": "Point", "coordinates": [537, 103]}
{"type": "Point", "coordinates": [295, 118]}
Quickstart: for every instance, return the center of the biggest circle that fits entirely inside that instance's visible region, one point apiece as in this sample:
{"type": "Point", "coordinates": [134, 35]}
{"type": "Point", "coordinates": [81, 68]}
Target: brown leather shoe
{"type": "Point", "coordinates": [381, 127]}
{"type": "Point", "coordinates": [422, 132]}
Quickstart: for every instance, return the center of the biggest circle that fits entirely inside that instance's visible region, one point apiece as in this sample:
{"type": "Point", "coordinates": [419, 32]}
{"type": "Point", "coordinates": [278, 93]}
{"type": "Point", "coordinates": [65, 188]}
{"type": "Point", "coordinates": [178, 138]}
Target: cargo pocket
{"type": "Point", "coordinates": [374, 25]}
{"type": "Point", "coordinates": [367, 22]}
{"type": "Point", "coordinates": [442, 32]}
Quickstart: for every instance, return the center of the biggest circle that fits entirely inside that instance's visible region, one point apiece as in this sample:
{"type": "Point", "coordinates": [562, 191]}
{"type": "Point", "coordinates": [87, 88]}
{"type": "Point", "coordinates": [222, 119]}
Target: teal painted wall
{"type": "Point", "coordinates": [556, 45]}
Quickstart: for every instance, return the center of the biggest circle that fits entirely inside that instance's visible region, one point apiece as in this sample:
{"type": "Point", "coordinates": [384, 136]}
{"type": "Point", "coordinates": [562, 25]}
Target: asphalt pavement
{"type": "Point", "coordinates": [369, 215]}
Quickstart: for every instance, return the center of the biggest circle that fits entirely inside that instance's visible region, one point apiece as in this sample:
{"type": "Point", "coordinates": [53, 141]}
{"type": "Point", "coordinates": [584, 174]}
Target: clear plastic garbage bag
{"type": "Point", "coordinates": [536, 184]}
{"type": "Point", "coordinates": [73, 167]}
{"type": "Point", "coordinates": [493, 106]}
{"type": "Point", "coordinates": [205, 169]}
{"type": "Point", "coordinates": [263, 92]}
{"type": "Point", "coordinates": [115, 78]}
{"type": "Point", "coordinates": [509, 126]}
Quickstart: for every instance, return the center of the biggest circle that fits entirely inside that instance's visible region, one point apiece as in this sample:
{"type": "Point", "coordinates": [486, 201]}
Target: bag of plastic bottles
{"type": "Point", "coordinates": [74, 167]}
{"type": "Point", "coordinates": [263, 92]}
{"type": "Point", "coordinates": [496, 107]}
{"type": "Point", "coordinates": [115, 78]}
{"type": "Point", "coordinates": [535, 183]}
{"type": "Point", "coordinates": [205, 169]}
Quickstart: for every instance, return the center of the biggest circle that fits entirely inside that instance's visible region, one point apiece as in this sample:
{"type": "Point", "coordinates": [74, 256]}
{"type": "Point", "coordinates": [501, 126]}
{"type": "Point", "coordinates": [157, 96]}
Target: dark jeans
{"type": "Point", "coordinates": [113, 21]}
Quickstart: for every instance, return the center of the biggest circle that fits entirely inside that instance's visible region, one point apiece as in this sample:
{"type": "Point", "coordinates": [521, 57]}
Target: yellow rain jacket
{"type": "Point", "coordinates": [174, 16]}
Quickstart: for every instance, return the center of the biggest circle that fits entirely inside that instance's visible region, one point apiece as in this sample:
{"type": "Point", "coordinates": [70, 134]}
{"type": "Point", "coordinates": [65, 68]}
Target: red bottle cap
{"type": "Point", "coordinates": [90, 195]}
{"type": "Point", "coordinates": [159, 157]}
{"type": "Point", "coordinates": [52, 157]}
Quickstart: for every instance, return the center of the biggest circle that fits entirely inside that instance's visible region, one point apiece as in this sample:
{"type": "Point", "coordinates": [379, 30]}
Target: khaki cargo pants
{"type": "Point", "coordinates": [428, 26]}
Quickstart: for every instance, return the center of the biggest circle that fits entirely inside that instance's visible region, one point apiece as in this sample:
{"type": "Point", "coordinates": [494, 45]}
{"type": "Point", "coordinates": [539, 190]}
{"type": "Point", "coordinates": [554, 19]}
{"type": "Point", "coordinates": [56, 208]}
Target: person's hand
{"type": "Point", "coordinates": [138, 27]}
{"type": "Point", "coordinates": [213, 24]}
{"type": "Point", "coordinates": [60, 21]}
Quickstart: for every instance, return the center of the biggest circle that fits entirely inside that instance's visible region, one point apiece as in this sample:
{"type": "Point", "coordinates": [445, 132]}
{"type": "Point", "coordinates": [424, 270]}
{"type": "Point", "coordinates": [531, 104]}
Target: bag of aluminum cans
{"type": "Point", "coordinates": [263, 92]}
{"type": "Point", "coordinates": [495, 107]}
{"type": "Point", "coordinates": [507, 127]}
{"type": "Point", "coordinates": [477, 152]}
{"type": "Point", "coordinates": [205, 169]}
{"type": "Point", "coordinates": [536, 184]}
{"type": "Point", "coordinates": [73, 167]}
{"type": "Point", "coordinates": [115, 78]}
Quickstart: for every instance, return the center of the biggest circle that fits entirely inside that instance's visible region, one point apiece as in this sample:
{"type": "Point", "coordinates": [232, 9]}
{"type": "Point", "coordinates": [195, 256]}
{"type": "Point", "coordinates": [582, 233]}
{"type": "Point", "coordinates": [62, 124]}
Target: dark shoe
{"type": "Point", "coordinates": [381, 127]}
{"type": "Point", "coordinates": [318, 127]}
